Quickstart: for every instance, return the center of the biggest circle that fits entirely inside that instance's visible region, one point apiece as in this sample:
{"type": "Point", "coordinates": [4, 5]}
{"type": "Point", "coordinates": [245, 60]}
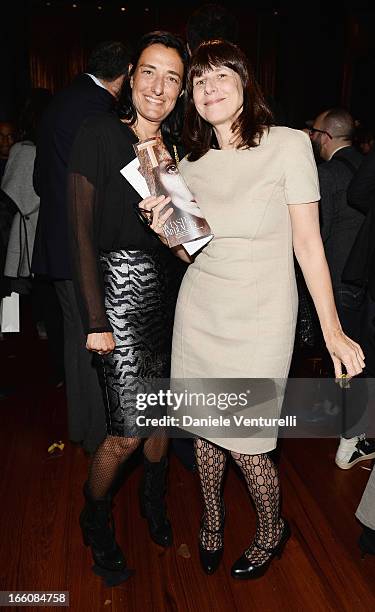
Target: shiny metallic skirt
{"type": "Point", "coordinates": [139, 301]}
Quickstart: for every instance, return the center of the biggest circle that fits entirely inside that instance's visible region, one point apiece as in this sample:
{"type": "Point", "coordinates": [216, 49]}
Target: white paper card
{"type": "Point", "coordinates": [135, 178]}
{"type": "Point", "coordinates": [194, 245]}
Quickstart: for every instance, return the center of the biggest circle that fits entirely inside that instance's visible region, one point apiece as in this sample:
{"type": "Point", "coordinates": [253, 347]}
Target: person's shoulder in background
{"type": "Point", "coordinates": [71, 105]}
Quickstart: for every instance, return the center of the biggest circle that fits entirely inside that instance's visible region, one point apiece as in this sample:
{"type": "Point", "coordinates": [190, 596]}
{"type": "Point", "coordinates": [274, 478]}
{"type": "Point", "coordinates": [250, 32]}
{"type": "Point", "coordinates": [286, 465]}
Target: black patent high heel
{"type": "Point", "coordinates": [210, 559]}
{"type": "Point", "coordinates": [244, 569]}
{"type": "Point", "coordinates": [366, 542]}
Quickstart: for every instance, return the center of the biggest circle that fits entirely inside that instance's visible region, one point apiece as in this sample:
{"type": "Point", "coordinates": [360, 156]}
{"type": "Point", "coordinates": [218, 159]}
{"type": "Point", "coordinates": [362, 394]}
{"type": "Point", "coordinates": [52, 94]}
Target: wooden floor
{"type": "Point", "coordinates": [40, 500]}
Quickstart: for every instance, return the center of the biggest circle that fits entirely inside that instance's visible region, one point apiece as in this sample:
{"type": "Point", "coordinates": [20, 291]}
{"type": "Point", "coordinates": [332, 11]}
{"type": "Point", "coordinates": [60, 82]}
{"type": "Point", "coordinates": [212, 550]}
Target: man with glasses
{"type": "Point", "coordinates": [331, 136]}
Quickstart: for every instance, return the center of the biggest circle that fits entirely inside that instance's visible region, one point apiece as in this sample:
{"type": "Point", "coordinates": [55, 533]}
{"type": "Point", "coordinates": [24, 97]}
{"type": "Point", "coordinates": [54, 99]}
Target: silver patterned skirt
{"type": "Point", "coordinates": [139, 301]}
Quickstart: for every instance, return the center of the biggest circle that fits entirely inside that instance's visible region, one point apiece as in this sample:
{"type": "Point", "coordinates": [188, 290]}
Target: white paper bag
{"type": "Point", "coordinates": [10, 313]}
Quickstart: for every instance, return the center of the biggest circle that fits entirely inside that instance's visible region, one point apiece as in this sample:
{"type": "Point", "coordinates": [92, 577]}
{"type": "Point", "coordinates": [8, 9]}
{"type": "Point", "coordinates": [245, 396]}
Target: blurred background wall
{"type": "Point", "coordinates": [306, 59]}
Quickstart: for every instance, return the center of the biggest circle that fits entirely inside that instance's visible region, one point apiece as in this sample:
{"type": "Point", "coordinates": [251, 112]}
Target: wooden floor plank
{"type": "Point", "coordinates": [41, 498]}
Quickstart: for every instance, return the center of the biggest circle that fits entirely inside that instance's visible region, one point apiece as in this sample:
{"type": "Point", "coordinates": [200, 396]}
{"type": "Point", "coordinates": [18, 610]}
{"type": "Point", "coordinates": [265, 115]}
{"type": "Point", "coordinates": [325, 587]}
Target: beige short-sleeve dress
{"type": "Point", "coordinates": [237, 306]}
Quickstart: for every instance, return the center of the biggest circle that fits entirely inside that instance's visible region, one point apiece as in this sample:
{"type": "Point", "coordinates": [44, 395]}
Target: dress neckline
{"type": "Point", "coordinates": [262, 140]}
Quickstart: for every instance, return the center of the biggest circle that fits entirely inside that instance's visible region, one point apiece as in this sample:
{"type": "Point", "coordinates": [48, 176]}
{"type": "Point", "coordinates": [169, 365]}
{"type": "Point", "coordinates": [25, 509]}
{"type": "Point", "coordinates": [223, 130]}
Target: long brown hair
{"type": "Point", "coordinates": [255, 116]}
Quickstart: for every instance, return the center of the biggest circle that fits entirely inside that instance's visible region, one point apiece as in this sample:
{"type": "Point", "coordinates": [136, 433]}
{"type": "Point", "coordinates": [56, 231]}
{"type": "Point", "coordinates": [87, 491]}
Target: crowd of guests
{"type": "Point", "coordinates": [112, 284]}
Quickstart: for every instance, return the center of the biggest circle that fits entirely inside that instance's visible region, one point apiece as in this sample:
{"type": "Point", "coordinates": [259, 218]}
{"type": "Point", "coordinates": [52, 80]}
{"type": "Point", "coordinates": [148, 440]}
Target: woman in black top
{"type": "Point", "coordinates": [120, 273]}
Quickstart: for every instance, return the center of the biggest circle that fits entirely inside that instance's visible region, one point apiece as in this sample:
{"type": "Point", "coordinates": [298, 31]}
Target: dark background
{"type": "Point", "coordinates": [307, 58]}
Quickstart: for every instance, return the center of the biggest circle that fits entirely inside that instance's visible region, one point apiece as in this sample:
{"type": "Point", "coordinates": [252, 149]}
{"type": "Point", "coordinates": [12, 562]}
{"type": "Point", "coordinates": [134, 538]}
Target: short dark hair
{"type": "Point", "coordinates": [171, 127]}
{"type": "Point", "coordinates": [109, 60]}
{"type": "Point", "coordinates": [209, 22]}
{"type": "Point", "coordinates": [255, 116]}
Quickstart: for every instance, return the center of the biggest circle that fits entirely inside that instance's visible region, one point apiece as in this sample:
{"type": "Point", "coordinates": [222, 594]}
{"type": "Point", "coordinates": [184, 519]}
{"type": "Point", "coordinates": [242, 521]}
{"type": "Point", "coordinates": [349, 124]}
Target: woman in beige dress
{"type": "Point", "coordinates": [257, 186]}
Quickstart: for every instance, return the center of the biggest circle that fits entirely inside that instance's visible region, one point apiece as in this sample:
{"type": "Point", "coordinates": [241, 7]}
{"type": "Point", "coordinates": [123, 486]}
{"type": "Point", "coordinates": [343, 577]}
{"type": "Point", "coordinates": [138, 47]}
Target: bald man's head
{"type": "Point", "coordinates": [339, 123]}
{"type": "Point", "coordinates": [332, 129]}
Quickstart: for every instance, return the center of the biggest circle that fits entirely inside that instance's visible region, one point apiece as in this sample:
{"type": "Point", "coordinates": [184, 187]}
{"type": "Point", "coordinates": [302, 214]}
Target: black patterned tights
{"type": "Point", "coordinates": [211, 462]}
{"type": "Point", "coordinates": [262, 481]}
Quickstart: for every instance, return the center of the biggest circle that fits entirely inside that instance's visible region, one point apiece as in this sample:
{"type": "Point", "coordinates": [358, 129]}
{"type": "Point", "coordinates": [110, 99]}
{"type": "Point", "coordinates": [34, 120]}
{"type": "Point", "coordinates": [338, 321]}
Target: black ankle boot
{"type": "Point", "coordinates": [98, 531]}
{"type": "Point", "coordinates": [152, 502]}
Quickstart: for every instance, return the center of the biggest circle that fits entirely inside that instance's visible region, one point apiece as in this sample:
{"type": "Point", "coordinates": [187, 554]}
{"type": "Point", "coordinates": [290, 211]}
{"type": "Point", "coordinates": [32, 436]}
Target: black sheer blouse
{"type": "Point", "coordinates": [101, 210]}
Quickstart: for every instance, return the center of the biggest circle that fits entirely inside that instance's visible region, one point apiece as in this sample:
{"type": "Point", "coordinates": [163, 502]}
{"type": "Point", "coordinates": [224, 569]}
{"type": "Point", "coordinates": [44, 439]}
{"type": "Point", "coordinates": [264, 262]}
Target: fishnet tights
{"type": "Point", "coordinates": [211, 462]}
{"type": "Point", "coordinates": [112, 454]}
{"type": "Point", "coordinates": [263, 483]}
{"type": "Point", "coordinates": [156, 446]}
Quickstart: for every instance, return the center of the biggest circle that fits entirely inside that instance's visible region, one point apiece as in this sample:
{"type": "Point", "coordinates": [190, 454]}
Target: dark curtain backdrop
{"type": "Point", "coordinates": [62, 37]}
{"type": "Point", "coordinates": [306, 59]}
{"type": "Point", "coordinates": [14, 57]}
{"type": "Point", "coordinates": [361, 93]}
{"type": "Point", "coordinates": [310, 63]}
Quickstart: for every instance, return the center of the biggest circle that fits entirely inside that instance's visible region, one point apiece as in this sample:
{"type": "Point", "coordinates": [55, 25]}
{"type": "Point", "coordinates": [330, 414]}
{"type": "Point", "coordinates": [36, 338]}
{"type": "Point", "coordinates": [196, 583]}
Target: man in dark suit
{"type": "Point", "coordinates": [360, 270]}
{"type": "Point", "coordinates": [360, 266]}
{"type": "Point", "coordinates": [92, 92]}
{"type": "Point", "coordinates": [331, 136]}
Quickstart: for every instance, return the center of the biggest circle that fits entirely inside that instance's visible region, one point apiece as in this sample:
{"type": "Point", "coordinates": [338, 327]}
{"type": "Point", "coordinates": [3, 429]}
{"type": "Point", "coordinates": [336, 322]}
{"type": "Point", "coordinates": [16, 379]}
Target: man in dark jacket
{"type": "Point", "coordinates": [331, 136]}
{"type": "Point", "coordinates": [360, 270]}
{"type": "Point", "coordinates": [360, 267]}
{"type": "Point", "coordinates": [92, 92]}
